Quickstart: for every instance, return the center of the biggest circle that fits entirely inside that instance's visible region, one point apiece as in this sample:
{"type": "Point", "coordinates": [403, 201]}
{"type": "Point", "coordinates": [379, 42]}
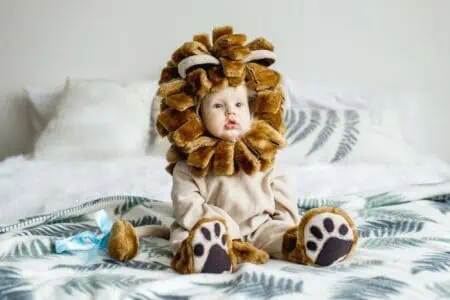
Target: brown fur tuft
{"type": "Point", "coordinates": [204, 39]}
{"type": "Point", "coordinates": [200, 82]}
{"type": "Point", "coordinates": [171, 87]}
{"type": "Point", "coordinates": [123, 243]}
{"type": "Point", "coordinates": [180, 101]}
{"type": "Point", "coordinates": [188, 132]}
{"type": "Point", "coordinates": [260, 44]}
{"type": "Point", "coordinates": [201, 158]}
{"type": "Point", "coordinates": [260, 78]}
{"type": "Point", "coordinates": [267, 102]}
{"type": "Point", "coordinates": [246, 160]}
{"type": "Point", "coordinates": [172, 119]}
{"type": "Point", "coordinates": [247, 253]}
{"type": "Point", "coordinates": [220, 31]}
{"type": "Point", "coordinates": [223, 159]}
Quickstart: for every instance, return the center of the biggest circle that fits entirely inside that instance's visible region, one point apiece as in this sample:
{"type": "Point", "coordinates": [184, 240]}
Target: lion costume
{"type": "Point", "coordinates": [212, 242]}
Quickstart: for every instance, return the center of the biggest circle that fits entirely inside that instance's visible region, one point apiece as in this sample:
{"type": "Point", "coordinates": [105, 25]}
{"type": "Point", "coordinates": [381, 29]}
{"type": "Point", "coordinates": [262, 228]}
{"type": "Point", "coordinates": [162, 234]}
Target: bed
{"type": "Point", "coordinates": [400, 202]}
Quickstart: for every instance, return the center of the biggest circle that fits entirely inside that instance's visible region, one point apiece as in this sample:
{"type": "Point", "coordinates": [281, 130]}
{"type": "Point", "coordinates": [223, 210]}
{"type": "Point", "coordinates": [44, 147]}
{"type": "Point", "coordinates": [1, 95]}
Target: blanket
{"type": "Point", "coordinates": [403, 253]}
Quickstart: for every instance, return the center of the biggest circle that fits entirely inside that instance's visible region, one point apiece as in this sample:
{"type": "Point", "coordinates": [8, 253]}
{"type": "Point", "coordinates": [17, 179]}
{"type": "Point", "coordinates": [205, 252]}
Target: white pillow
{"type": "Point", "coordinates": [405, 105]}
{"type": "Point", "coordinates": [98, 119]}
{"type": "Point", "coordinates": [344, 136]}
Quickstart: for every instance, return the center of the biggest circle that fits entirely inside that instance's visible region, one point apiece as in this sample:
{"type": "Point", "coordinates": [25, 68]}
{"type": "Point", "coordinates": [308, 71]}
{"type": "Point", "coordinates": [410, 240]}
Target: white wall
{"type": "Point", "coordinates": [388, 46]}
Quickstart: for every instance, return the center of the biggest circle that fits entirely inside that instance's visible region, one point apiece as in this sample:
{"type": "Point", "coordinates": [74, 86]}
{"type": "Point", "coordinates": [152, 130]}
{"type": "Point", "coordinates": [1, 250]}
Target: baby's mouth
{"type": "Point", "coordinates": [231, 124]}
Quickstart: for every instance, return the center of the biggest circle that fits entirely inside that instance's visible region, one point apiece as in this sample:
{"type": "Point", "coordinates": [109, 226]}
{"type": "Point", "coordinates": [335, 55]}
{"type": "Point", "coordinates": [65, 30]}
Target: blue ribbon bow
{"type": "Point", "coordinates": [87, 240]}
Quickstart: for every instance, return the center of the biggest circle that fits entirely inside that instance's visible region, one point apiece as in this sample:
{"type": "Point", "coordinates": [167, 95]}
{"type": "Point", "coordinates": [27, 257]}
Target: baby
{"type": "Point", "coordinates": [222, 110]}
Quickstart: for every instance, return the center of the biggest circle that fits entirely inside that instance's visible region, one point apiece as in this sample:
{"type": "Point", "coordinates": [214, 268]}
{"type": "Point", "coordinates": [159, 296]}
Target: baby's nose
{"type": "Point", "coordinates": [230, 113]}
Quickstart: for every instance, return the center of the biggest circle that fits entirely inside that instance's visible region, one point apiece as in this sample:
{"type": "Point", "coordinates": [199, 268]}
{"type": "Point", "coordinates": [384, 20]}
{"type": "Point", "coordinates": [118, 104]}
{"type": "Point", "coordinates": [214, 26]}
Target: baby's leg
{"type": "Point", "coordinates": [269, 237]}
{"type": "Point", "coordinates": [207, 248]}
{"type": "Point", "coordinates": [324, 236]}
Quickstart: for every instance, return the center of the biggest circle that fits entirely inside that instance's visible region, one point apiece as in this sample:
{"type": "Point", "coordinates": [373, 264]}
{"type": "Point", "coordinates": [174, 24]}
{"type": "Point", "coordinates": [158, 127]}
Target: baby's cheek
{"type": "Point", "coordinates": [216, 128]}
{"type": "Point", "coordinates": [246, 124]}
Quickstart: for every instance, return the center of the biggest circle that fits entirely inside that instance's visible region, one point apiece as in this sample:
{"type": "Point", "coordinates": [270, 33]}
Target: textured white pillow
{"type": "Point", "coordinates": [405, 105]}
{"type": "Point", "coordinates": [344, 136]}
{"type": "Point", "coordinates": [98, 119]}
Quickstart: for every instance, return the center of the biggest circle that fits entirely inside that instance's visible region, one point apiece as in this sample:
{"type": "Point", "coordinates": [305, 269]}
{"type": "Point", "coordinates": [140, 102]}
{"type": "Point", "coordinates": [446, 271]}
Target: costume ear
{"type": "Point", "coordinates": [262, 56]}
{"type": "Point", "coordinates": [196, 60]}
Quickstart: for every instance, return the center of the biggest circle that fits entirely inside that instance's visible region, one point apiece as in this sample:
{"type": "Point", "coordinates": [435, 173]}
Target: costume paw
{"type": "Point", "coordinates": [325, 236]}
{"type": "Point", "coordinates": [210, 249]}
{"type": "Point", "coordinates": [328, 236]}
{"type": "Point", "coordinates": [247, 253]}
{"type": "Point", "coordinates": [207, 249]}
{"type": "Point", "coordinates": [123, 243]}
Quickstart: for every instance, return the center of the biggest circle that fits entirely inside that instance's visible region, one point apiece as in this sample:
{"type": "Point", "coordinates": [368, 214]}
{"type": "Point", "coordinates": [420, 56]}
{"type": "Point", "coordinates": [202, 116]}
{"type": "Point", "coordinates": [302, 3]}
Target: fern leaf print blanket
{"type": "Point", "coordinates": [403, 253]}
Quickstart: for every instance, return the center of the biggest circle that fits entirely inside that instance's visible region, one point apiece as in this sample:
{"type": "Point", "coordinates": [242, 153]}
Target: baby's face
{"type": "Point", "coordinates": [226, 113]}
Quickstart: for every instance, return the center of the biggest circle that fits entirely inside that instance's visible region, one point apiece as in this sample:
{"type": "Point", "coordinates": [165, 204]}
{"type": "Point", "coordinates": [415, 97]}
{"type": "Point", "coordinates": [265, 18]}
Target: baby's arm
{"type": "Point", "coordinates": [285, 202]}
{"type": "Point", "coordinates": [189, 205]}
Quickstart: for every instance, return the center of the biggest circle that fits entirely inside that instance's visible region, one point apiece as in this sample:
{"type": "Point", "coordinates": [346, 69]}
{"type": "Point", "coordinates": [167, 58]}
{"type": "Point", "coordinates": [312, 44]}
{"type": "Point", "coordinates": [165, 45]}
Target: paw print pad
{"type": "Point", "coordinates": [210, 248]}
{"type": "Point", "coordinates": [328, 239]}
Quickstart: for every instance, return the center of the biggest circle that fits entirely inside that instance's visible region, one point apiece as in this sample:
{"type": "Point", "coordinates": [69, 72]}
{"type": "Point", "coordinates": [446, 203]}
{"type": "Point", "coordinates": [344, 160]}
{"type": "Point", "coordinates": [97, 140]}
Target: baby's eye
{"type": "Point", "coordinates": [217, 105]}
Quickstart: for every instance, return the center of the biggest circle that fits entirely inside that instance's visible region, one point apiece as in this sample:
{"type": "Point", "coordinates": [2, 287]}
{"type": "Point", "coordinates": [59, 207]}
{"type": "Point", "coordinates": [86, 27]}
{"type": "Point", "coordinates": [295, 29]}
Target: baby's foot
{"type": "Point", "coordinates": [206, 250]}
{"type": "Point", "coordinates": [325, 236]}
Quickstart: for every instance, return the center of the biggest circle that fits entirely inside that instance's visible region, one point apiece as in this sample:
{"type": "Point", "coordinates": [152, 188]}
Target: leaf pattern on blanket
{"type": "Point", "coordinates": [154, 295]}
{"type": "Point", "coordinates": [348, 267]}
{"type": "Point", "coordinates": [308, 203]}
{"type": "Point", "coordinates": [384, 199]}
{"type": "Point", "coordinates": [130, 203]}
{"type": "Point", "coordinates": [146, 220]}
{"type": "Point", "coordinates": [305, 204]}
{"type": "Point", "coordinates": [391, 214]}
{"type": "Point", "coordinates": [314, 123]}
{"type": "Point", "coordinates": [83, 218]}
{"type": "Point", "coordinates": [436, 262]}
{"type": "Point", "coordinates": [13, 285]}
{"type": "Point", "coordinates": [326, 132]}
{"type": "Point", "coordinates": [153, 249]}
{"type": "Point", "coordinates": [441, 203]}
{"type": "Point", "coordinates": [58, 230]}
{"type": "Point", "coordinates": [26, 248]}
{"type": "Point", "coordinates": [261, 285]}
{"type": "Point", "coordinates": [65, 213]}
{"type": "Point", "coordinates": [437, 239]}
{"type": "Point", "coordinates": [294, 122]}
{"type": "Point", "coordinates": [379, 287]}
{"type": "Point", "coordinates": [350, 136]}
{"type": "Point", "coordinates": [387, 228]}
{"type": "Point", "coordinates": [109, 264]}
{"type": "Point", "coordinates": [86, 268]}
{"type": "Point", "coordinates": [92, 284]}
{"type": "Point", "coordinates": [34, 219]}
{"type": "Point", "coordinates": [389, 243]}
{"type": "Point", "coordinates": [440, 289]}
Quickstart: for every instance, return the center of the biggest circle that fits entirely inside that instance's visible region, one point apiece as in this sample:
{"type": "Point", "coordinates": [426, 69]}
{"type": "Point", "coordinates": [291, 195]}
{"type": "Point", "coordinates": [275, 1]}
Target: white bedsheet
{"type": "Point", "coordinates": [31, 187]}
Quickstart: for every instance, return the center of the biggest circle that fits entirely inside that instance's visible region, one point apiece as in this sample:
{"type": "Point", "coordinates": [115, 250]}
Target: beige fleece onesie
{"type": "Point", "coordinates": [258, 209]}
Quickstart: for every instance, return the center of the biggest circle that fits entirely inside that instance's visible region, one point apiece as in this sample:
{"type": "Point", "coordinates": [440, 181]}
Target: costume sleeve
{"type": "Point", "coordinates": [285, 202]}
{"type": "Point", "coordinates": [189, 206]}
